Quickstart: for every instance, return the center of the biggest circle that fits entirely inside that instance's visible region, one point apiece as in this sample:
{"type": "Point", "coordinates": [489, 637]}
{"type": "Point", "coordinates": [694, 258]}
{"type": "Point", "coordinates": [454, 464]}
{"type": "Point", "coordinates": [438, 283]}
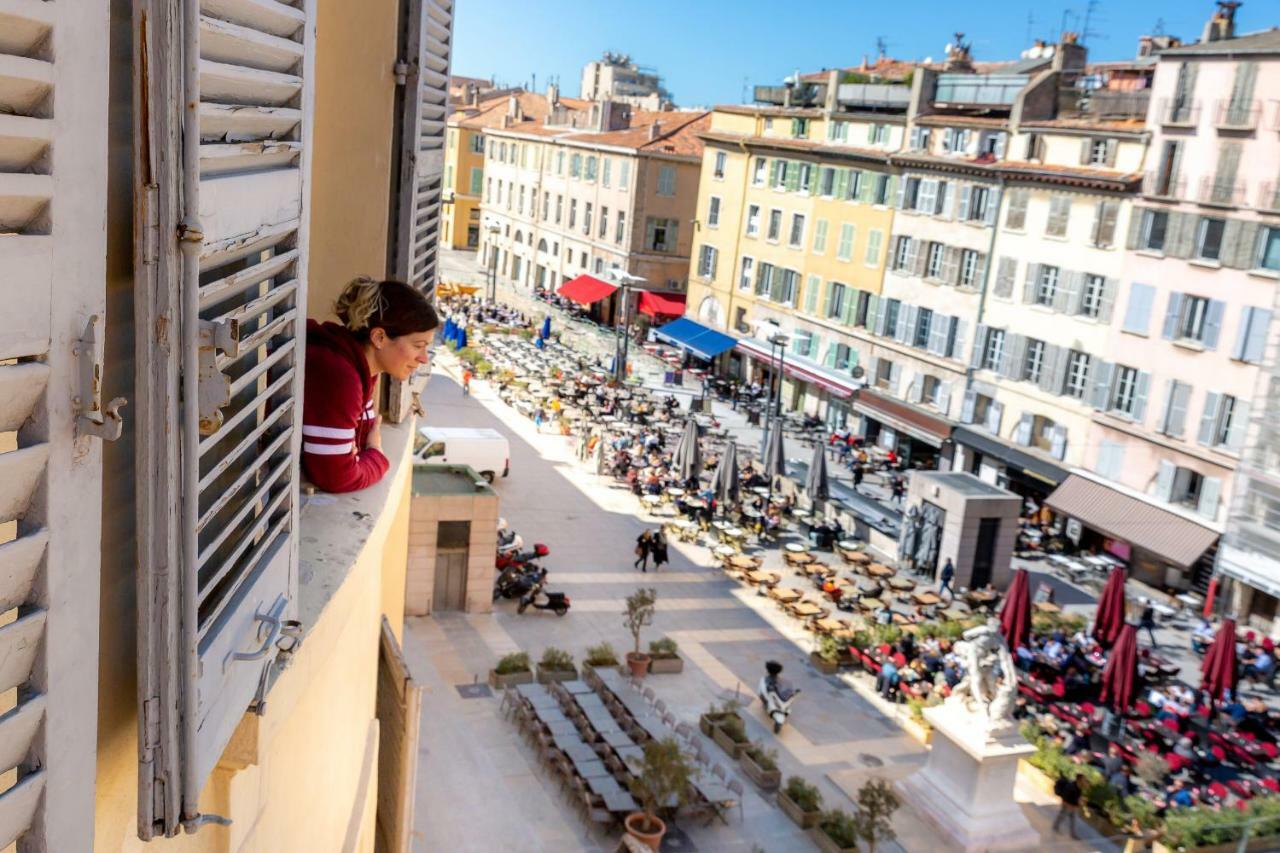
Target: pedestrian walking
{"type": "Point", "coordinates": [899, 489]}
{"type": "Point", "coordinates": [857, 475]}
{"type": "Point", "coordinates": [658, 545]}
{"type": "Point", "coordinates": [644, 543]}
{"type": "Point", "coordinates": [1148, 621]}
{"type": "Point", "coordinates": [538, 418]}
{"type": "Point", "coordinates": [1067, 790]}
{"type": "Point", "coordinates": [947, 576]}
{"type": "Point", "coordinates": [466, 381]}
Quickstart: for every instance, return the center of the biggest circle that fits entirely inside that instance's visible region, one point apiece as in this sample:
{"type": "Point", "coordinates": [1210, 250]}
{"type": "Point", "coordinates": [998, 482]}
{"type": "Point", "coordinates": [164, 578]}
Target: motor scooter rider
{"type": "Point", "coordinates": [776, 693]}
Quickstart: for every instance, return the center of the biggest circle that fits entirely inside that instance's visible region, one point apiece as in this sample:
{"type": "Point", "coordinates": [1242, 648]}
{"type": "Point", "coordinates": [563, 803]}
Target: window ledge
{"type": "Point", "coordinates": [1149, 253]}
{"type": "Point", "coordinates": [337, 529]}
{"type": "Point", "coordinates": [1206, 263]}
{"type": "Point", "coordinates": [1193, 346]}
{"type": "Point", "coordinates": [1273, 275]}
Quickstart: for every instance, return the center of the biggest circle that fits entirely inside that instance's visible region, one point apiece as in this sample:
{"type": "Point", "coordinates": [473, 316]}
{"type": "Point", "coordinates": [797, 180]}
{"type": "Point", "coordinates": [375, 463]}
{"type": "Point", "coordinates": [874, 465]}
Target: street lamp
{"type": "Point", "coordinates": [778, 342]}
{"type": "Point", "coordinates": [492, 281]}
{"type": "Point", "coordinates": [625, 281]}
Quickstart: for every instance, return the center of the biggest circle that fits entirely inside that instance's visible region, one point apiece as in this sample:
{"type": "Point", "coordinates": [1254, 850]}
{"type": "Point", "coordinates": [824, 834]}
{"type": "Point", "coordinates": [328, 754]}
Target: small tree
{"type": "Point", "coordinates": [664, 778]}
{"type": "Point", "coordinates": [639, 612]}
{"type": "Point", "coordinates": [876, 804]}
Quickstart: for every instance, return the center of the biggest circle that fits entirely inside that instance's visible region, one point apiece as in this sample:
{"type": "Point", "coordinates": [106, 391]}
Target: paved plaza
{"type": "Point", "coordinates": [481, 788]}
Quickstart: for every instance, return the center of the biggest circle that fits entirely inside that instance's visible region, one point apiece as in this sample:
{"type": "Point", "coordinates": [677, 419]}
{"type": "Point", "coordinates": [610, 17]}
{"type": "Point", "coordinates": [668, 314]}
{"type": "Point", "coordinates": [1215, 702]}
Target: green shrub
{"type": "Point", "coordinates": [664, 648]}
{"type": "Point", "coordinates": [807, 797]}
{"type": "Point", "coordinates": [601, 655]}
{"type": "Point", "coordinates": [828, 648]}
{"type": "Point", "coordinates": [765, 759]}
{"type": "Point", "coordinates": [886, 634]}
{"type": "Point", "coordinates": [483, 367]}
{"type": "Point", "coordinates": [840, 827]}
{"type": "Point", "coordinates": [514, 662]}
{"type": "Point", "coordinates": [873, 820]}
{"type": "Point", "coordinates": [556, 660]}
{"type": "Point", "coordinates": [1152, 769]}
{"type": "Point", "coordinates": [734, 728]}
{"type": "Point", "coordinates": [916, 708]}
{"type": "Point", "coordinates": [861, 640]}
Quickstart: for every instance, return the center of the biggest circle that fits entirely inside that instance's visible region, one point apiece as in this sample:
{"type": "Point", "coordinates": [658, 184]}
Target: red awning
{"type": "Point", "coordinates": [586, 289]}
{"type": "Point", "coordinates": [661, 304]}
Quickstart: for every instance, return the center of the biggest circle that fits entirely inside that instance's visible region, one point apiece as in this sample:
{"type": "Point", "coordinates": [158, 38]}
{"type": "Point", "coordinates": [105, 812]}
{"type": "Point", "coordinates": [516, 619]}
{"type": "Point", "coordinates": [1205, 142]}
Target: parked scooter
{"type": "Point", "coordinates": [515, 580]}
{"type": "Point", "coordinates": [776, 694]}
{"type": "Point", "coordinates": [540, 599]}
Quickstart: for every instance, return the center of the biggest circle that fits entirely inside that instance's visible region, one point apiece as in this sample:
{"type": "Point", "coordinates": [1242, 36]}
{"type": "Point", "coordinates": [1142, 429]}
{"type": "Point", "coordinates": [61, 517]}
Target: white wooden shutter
{"type": "Point", "coordinates": [429, 49]}
{"type": "Point", "coordinates": [53, 166]}
{"type": "Point", "coordinates": [222, 163]}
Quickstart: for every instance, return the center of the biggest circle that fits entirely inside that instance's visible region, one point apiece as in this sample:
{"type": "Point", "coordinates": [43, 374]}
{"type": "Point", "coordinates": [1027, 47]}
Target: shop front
{"type": "Point", "coordinates": [915, 435]}
{"type": "Point", "coordinates": [1162, 548]}
{"type": "Point", "coordinates": [808, 386]}
{"type": "Point", "coordinates": [991, 460]}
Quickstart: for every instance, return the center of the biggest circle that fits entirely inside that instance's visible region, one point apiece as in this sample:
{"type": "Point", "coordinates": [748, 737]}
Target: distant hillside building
{"type": "Point", "coordinates": [616, 77]}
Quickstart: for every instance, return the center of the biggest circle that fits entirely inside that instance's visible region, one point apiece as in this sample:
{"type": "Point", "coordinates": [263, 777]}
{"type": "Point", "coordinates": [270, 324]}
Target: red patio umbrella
{"type": "Point", "coordinates": [1015, 614]}
{"type": "Point", "coordinates": [1109, 620]}
{"type": "Point", "coordinates": [1218, 672]}
{"type": "Point", "coordinates": [1120, 675]}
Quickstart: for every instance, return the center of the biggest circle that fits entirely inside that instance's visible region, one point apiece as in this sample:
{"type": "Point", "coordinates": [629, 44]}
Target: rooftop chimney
{"type": "Point", "coordinates": [655, 130]}
{"type": "Point", "coordinates": [553, 94]}
{"type": "Point", "coordinates": [473, 94]}
{"type": "Point", "coordinates": [1222, 25]}
{"type": "Point", "coordinates": [513, 108]}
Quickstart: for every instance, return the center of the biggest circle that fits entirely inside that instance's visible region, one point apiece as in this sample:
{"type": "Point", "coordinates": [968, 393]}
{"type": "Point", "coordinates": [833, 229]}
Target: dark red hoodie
{"type": "Point", "coordinates": [338, 412]}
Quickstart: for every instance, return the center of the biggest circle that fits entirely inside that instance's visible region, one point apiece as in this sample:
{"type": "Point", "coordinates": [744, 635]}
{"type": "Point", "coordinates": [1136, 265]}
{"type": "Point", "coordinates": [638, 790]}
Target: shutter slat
{"type": "Point", "coordinates": [19, 560]}
{"type": "Point", "coordinates": [19, 642]}
{"type": "Point", "coordinates": [18, 806]}
{"type": "Point", "coordinates": [247, 535]}
{"type": "Point", "coordinates": [250, 470]}
{"type": "Point", "coordinates": [20, 472]}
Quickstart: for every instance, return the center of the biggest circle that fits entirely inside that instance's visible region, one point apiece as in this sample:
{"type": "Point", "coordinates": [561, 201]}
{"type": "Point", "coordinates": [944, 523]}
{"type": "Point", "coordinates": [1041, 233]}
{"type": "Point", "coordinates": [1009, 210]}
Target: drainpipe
{"type": "Point", "coordinates": [190, 239]}
{"type": "Point", "coordinates": [982, 294]}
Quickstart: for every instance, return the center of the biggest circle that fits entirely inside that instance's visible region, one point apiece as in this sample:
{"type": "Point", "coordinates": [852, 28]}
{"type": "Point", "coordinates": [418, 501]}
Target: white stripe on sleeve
{"type": "Point", "coordinates": [328, 449]}
{"type": "Point", "coordinates": [327, 432]}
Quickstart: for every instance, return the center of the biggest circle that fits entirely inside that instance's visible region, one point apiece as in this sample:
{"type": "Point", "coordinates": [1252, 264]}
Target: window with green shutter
{"type": "Point", "coordinates": [812, 286]}
{"type": "Point", "coordinates": [844, 250]}
{"type": "Point", "coordinates": [793, 176]}
{"type": "Point", "coordinates": [820, 237]}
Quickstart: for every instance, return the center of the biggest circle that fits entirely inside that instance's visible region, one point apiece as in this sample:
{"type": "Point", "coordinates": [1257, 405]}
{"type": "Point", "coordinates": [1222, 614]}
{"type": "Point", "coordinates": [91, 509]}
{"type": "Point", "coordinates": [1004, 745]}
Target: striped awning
{"type": "Point", "coordinates": [1165, 534]}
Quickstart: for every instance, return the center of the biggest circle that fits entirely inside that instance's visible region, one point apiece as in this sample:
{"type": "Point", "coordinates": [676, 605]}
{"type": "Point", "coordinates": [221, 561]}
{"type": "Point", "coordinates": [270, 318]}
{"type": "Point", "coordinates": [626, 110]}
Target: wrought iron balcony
{"type": "Point", "coordinates": [800, 95]}
{"type": "Point", "coordinates": [1215, 191]}
{"type": "Point", "coordinates": [1160, 185]}
{"type": "Point", "coordinates": [1238, 115]}
{"type": "Point", "coordinates": [1179, 112]}
{"type": "Point", "coordinates": [1268, 197]}
{"type": "Point", "coordinates": [1107, 103]}
{"type": "Point", "coordinates": [873, 96]}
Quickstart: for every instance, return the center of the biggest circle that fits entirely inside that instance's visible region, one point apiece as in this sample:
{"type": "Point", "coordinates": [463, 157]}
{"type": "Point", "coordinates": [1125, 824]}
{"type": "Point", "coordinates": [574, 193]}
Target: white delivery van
{"type": "Point", "coordinates": [486, 451]}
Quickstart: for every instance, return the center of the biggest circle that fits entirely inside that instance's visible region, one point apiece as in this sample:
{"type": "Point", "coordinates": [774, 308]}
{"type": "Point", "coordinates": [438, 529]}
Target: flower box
{"type": "Point", "coordinates": [768, 780]}
{"type": "Point", "coordinates": [920, 731]}
{"type": "Point", "coordinates": [824, 842]}
{"type": "Point", "coordinates": [708, 723]}
{"type": "Point", "coordinates": [666, 666]}
{"type": "Point", "coordinates": [732, 747]}
{"type": "Point", "coordinates": [824, 666]}
{"type": "Point", "coordinates": [546, 676]}
{"type": "Point", "coordinates": [1036, 777]}
{"type": "Point", "coordinates": [802, 819]}
{"type": "Point", "coordinates": [1253, 845]}
{"type": "Point", "coordinates": [511, 679]}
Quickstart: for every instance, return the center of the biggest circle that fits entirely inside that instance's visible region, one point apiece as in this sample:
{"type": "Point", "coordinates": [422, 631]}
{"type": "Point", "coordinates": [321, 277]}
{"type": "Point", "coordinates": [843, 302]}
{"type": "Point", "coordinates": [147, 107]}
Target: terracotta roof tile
{"type": "Point", "coordinates": [763, 110]}
{"type": "Point", "coordinates": [679, 133]}
{"type": "Point", "coordinates": [942, 120]}
{"type": "Point", "coordinates": [1134, 125]}
{"type": "Point", "coordinates": [805, 145]}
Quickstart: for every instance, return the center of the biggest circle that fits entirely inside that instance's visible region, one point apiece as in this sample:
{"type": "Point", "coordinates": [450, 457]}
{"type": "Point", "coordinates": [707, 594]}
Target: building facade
{"type": "Point", "coordinates": [615, 77]}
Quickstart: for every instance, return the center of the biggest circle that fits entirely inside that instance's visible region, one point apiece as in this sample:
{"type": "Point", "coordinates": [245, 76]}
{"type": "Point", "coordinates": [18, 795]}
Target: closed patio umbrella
{"type": "Point", "coordinates": [1015, 613]}
{"type": "Point", "coordinates": [688, 456]}
{"type": "Point", "coordinates": [1120, 675]}
{"type": "Point", "coordinates": [1109, 620]}
{"type": "Point", "coordinates": [462, 339]}
{"type": "Point", "coordinates": [725, 483]}
{"type": "Point", "coordinates": [927, 547]}
{"type": "Point", "coordinates": [546, 327]}
{"type": "Point", "coordinates": [775, 458]}
{"type": "Point", "coordinates": [909, 534]}
{"type": "Point", "coordinates": [815, 485]}
{"type": "Point", "coordinates": [1218, 672]}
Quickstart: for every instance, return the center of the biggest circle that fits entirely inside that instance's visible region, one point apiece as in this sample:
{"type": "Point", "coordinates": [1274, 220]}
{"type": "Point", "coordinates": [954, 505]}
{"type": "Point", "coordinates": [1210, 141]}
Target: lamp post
{"type": "Point", "coordinates": [492, 281]}
{"type": "Point", "coordinates": [777, 341]}
{"type": "Point", "coordinates": [625, 281]}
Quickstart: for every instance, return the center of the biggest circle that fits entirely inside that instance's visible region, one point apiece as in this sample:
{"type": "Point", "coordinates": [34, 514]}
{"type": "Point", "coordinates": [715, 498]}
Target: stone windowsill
{"type": "Point", "coordinates": [337, 528]}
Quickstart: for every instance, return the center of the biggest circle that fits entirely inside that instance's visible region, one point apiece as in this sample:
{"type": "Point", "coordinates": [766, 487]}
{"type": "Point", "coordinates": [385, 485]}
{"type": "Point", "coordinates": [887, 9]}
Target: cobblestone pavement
{"type": "Point", "coordinates": [480, 788]}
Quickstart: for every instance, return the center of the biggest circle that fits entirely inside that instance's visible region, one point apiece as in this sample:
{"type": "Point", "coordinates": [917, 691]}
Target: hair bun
{"type": "Point", "coordinates": [360, 302]}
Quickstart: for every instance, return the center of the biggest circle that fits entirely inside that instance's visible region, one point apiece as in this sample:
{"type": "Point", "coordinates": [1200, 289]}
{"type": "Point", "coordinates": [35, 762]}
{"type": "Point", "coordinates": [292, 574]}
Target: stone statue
{"type": "Point", "coordinates": [982, 691]}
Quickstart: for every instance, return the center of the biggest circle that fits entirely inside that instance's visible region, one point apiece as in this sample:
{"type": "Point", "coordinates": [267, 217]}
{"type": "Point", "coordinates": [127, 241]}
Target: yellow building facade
{"type": "Point", "coordinates": [464, 184]}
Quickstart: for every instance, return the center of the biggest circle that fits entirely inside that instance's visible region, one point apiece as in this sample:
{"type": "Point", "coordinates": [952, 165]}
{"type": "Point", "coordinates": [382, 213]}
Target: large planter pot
{"type": "Point", "coordinates": [546, 676]}
{"type": "Point", "coordinates": [768, 780]}
{"type": "Point", "coordinates": [728, 744]}
{"type": "Point", "coordinates": [824, 666]}
{"type": "Point", "coordinates": [666, 666]}
{"type": "Point", "coordinates": [1254, 845]}
{"type": "Point", "coordinates": [1035, 776]}
{"type": "Point", "coordinates": [639, 663]}
{"type": "Point", "coordinates": [591, 667]}
{"type": "Point", "coordinates": [511, 679]}
{"type": "Point", "coordinates": [708, 723]}
{"type": "Point", "coordinates": [801, 818]}
{"type": "Point", "coordinates": [922, 732]}
{"type": "Point", "coordinates": [824, 842]}
{"type": "Point", "coordinates": [636, 822]}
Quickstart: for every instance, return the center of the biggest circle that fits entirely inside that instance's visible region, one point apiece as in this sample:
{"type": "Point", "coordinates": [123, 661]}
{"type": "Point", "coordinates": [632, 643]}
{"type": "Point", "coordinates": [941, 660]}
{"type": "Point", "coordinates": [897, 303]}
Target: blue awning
{"type": "Point", "coordinates": [703, 342]}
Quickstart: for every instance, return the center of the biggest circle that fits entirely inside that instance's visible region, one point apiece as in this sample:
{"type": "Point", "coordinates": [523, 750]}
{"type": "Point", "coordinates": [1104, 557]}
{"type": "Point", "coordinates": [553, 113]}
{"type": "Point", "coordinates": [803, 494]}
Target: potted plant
{"type": "Point", "coordinates": [663, 657]}
{"type": "Point", "coordinates": [801, 801]}
{"type": "Point", "coordinates": [638, 614]}
{"type": "Point", "coordinates": [826, 658]}
{"type": "Point", "coordinates": [835, 832]}
{"type": "Point", "coordinates": [599, 656]}
{"type": "Point", "coordinates": [556, 665]}
{"type": "Point", "coordinates": [511, 669]}
{"type": "Point", "coordinates": [715, 715]}
{"type": "Point", "coordinates": [761, 766]}
{"type": "Point", "coordinates": [876, 804]}
{"type": "Point", "coordinates": [663, 779]}
{"type": "Point", "coordinates": [731, 736]}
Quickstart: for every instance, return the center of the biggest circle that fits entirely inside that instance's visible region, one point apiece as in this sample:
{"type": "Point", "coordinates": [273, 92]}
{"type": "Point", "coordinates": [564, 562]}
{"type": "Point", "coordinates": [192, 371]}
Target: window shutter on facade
{"type": "Point", "coordinates": [1141, 391]}
{"type": "Point", "coordinates": [793, 175]}
{"type": "Point", "coordinates": [1172, 314]}
{"type": "Point", "coordinates": [895, 377]}
{"type": "Point", "coordinates": [1165, 473]}
{"type": "Point", "coordinates": [1069, 291]}
{"type": "Point", "coordinates": [967, 406]}
{"type": "Point", "coordinates": [1213, 323]}
{"type": "Point", "coordinates": [979, 346]}
{"type": "Point", "coordinates": [1086, 150]}
{"type": "Point", "coordinates": [995, 413]}
{"type": "Point", "coordinates": [1209, 418]}
{"type": "Point", "coordinates": [1030, 282]}
{"type": "Point", "coordinates": [1251, 338]}
{"type": "Point", "coordinates": [1242, 90]}
{"type": "Point", "coordinates": [992, 212]}
{"type": "Point", "coordinates": [1006, 272]}
{"type": "Point", "coordinates": [774, 166]}
{"type": "Point", "coordinates": [1104, 223]}
{"type": "Point", "coordinates": [939, 328]}
{"type": "Point", "coordinates": [1053, 372]}
{"type": "Point", "coordinates": [1181, 237]}
{"type": "Point", "coordinates": [959, 328]}
{"type": "Point", "coordinates": [1136, 215]}
{"type": "Point", "coordinates": [1015, 353]}
{"type": "Point", "coordinates": [1100, 392]}
{"type": "Point", "coordinates": [1239, 426]}
{"type": "Point", "coordinates": [218, 516]}
{"type": "Point", "coordinates": [1107, 303]}
{"type": "Point", "coordinates": [962, 210]}
{"type": "Point", "coordinates": [1022, 432]}
{"type": "Point", "coordinates": [1058, 442]}
{"type": "Point", "coordinates": [901, 192]}
{"type": "Point", "coordinates": [1137, 315]}
{"type": "Point", "coordinates": [1210, 493]}
{"type": "Point", "coordinates": [53, 166]}
{"type": "Point", "coordinates": [1177, 395]}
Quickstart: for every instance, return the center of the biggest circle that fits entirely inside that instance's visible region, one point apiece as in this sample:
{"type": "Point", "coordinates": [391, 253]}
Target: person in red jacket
{"type": "Point", "coordinates": [386, 327]}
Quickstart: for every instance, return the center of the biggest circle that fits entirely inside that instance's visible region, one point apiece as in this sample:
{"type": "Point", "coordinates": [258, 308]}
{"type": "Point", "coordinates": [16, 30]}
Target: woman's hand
{"type": "Point", "coordinates": [374, 439]}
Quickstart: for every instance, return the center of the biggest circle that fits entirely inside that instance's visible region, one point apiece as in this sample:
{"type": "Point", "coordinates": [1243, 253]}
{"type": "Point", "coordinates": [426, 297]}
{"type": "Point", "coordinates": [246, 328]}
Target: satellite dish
{"type": "Point", "coordinates": [858, 372]}
{"type": "Point", "coordinates": [949, 47]}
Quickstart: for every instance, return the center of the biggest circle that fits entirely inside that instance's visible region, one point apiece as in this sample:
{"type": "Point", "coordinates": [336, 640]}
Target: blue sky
{"type": "Point", "coordinates": [706, 50]}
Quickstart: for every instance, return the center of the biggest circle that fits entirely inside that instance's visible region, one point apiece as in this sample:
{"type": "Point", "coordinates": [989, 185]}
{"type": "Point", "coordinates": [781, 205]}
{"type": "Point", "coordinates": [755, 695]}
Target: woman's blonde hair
{"type": "Point", "coordinates": [393, 306]}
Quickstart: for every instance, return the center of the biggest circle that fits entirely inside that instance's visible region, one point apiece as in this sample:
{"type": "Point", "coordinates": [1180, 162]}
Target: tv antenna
{"type": "Point", "coordinates": [882, 48]}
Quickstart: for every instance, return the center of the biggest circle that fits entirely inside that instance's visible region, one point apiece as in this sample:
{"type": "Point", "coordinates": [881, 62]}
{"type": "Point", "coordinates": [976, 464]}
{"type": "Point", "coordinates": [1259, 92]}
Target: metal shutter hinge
{"type": "Point", "coordinates": [91, 418]}
{"type": "Point", "coordinates": [401, 71]}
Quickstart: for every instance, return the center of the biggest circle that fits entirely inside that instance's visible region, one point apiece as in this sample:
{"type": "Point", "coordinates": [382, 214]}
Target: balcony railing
{"type": "Point", "coordinates": [1001, 89]}
{"type": "Point", "coordinates": [1238, 115]}
{"type": "Point", "coordinates": [1269, 197]}
{"type": "Point", "coordinates": [1179, 112]}
{"type": "Point", "coordinates": [1160, 185]}
{"type": "Point", "coordinates": [802, 95]}
{"type": "Point", "coordinates": [1215, 191]}
{"type": "Point", "coordinates": [1105, 103]}
{"type": "Point", "coordinates": [873, 95]}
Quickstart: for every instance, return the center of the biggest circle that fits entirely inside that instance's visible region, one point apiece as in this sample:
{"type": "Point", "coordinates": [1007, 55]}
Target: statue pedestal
{"type": "Point", "coordinates": [966, 787]}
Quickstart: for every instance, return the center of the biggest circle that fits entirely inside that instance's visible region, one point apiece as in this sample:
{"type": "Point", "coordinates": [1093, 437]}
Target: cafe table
{"type": "Point", "coordinates": [796, 548]}
{"type": "Point", "coordinates": [762, 491]}
{"type": "Point", "coordinates": [675, 491]}
{"type": "Point", "coordinates": [1046, 607]}
{"type": "Point", "coordinates": [901, 584]}
{"type": "Point", "coordinates": [744, 562]}
{"type": "Point", "coordinates": [855, 558]}
{"type": "Point", "coordinates": [926, 598]}
{"type": "Point", "coordinates": [805, 609]}
{"type": "Point", "coordinates": [575, 748]}
{"type": "Point", "coordinates": [766, 578]}
{"type": "Point", "coordinates": [593, 769]}
{"type": "Point", "coordinates": [785, 594]}
{"type": "Point", "coordinates": [879, 570]}
{"type": "Point", "coordinates": [577, 688]}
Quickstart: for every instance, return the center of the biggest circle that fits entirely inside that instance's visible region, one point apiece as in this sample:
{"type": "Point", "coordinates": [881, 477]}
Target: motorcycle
{"type": "Point", "coordinates": [541, 599]}
{"type": "Point", "coordinates": [776, 695]}
{"type": "Point", "coordinates": [515, 580]}
{"type": "Point", "coordinates": [515, 557]}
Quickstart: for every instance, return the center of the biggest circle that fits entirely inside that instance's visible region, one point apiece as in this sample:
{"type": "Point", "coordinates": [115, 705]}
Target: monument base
{"type": "Point", "coordinates": [966, 787]}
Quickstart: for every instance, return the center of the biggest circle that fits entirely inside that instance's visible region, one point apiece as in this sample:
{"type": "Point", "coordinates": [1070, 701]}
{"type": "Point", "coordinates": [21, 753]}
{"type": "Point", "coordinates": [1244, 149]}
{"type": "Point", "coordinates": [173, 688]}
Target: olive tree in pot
{"type": "Point", "coordinates": [639, 613]}
{"type": "Point", "coordinates": [876, 804]}
{"type": "Point", "coordinates": [664, 778]}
